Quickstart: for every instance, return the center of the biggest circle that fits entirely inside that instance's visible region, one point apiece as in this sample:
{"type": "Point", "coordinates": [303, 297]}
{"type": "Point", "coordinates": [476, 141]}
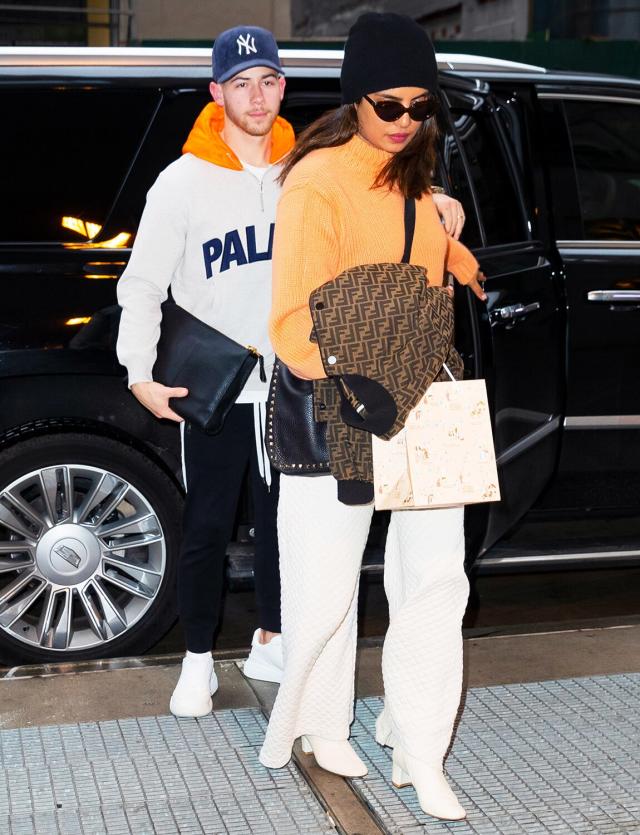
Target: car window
{"type": "Point", "coordinates": [461, 188]}
{"type": "Point", "coordinates": [171, 126]}
{"type": "Point", "coordinates": [162, 145]}
{"type": "Point", "coordinates": [301, 109]}
{"type": "Point", "coordinates": [63, 156]}
{"type": "Point", "coordinates": [605, 137]}
{"type": "Point", "coordinates": [491, 176]}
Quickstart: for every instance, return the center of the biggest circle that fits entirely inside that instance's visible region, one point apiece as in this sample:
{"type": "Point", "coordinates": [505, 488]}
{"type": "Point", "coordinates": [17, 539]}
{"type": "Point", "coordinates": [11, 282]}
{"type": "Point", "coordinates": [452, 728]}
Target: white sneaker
{"type": "Point", "coordinates": [265, 660]}
{"type": "Point", "coordinates": [196, 685]}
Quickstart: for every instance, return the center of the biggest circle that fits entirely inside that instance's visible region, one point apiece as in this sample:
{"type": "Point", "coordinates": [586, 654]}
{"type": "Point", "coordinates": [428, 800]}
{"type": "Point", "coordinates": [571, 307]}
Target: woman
{"type": "Point", "coordinates": [341, 206]}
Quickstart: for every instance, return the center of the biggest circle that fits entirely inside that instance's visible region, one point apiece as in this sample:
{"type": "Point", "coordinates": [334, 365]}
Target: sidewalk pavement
{"type": "Point", "coordinates": [548, 742]}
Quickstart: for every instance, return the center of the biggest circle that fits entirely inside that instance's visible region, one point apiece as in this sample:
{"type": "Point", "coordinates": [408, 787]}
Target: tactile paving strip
{"type": "Point", "coordinates": [151, 776]}
{"type": "Point", "coordinates": [559, 757]}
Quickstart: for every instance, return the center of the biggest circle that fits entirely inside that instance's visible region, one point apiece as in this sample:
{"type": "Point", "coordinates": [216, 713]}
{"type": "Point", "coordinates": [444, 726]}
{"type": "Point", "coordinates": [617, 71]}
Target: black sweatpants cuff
{"type": "Point", "coordinates": [269, 620]}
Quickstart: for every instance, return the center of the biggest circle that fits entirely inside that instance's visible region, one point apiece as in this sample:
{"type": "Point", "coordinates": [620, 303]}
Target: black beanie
{"type": "Point", "coordinates": [384, 51]}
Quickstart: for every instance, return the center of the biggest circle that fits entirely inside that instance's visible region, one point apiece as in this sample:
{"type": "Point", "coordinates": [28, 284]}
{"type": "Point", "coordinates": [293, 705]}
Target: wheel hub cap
{"type": "Point", "coordinates": [68, 555]}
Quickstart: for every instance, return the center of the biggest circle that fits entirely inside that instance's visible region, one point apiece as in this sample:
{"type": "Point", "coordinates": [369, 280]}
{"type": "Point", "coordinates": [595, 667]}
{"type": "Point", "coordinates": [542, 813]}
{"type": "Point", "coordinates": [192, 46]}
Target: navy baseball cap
{"type": "Point", "coordinates": [243, 47]}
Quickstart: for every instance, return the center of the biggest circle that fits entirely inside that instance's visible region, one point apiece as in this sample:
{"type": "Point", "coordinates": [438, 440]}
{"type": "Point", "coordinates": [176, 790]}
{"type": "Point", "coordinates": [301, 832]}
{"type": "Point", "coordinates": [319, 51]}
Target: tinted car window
{"type": "Point", "coordinates": [605, 137]}
{"type": "Point", "coordinates": [491, 176]}
{"type": "Point", "coordinates": [75, 149]}
{"type": "Point", "coordinates": [526, 132]}
{"type": "Point", "coordinates": [306, 99]}
{"type": "Point", "coordinates": [302, 109]}
{"type": "Point", "coordinates": [171, 126]}
{"type": "Point", "coordinates": [162, 145]}
{"type": "Point", "coordinates": [461, 189]}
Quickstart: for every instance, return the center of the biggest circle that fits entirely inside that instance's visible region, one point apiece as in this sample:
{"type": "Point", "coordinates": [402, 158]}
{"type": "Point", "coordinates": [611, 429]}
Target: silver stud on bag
{"type": "Point", "coordinates": [332, 360]}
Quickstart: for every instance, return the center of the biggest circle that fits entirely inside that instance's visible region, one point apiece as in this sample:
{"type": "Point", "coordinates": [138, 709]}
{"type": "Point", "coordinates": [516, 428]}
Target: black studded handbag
{"type": "Point", "coordinates": [296, 442]}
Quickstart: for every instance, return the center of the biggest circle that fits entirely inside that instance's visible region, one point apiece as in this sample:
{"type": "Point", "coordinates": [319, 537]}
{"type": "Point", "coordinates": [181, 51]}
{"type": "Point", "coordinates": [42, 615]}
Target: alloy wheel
{"type": "Point", "coordinates": [82, 557]}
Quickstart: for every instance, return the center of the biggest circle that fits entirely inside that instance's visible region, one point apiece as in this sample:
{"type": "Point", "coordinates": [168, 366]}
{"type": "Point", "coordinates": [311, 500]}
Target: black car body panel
{"type": "Point", "coordinates": [558, 340]}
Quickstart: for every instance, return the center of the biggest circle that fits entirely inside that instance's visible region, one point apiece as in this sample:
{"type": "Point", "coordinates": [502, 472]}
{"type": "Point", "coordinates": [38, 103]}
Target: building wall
{"type": "Point", "coordinates": [57, 22]}
{"type": "Point", "coordinates": [443, 19]}
{"type": "Point", "coordinates": [496, 20]}
{"type": "Point", "coordinates": [169, 20]}
{"type": "Point", "coordinates": [615, 19]}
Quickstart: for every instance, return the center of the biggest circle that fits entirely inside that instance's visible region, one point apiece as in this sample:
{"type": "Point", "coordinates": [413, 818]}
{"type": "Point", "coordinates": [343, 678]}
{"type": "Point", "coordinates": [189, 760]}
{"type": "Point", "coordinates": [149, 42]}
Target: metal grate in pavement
{"type": "Point", "coordinates": [559, 757]}
{"type": "Point", "coordinates": [151, 776]}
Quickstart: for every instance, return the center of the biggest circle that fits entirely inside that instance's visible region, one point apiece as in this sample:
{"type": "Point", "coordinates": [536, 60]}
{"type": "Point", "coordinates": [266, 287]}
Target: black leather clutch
{"type": "Point", "coordinates": [296, 442]}
{"type": "Point", "coordinates": [211, 365]}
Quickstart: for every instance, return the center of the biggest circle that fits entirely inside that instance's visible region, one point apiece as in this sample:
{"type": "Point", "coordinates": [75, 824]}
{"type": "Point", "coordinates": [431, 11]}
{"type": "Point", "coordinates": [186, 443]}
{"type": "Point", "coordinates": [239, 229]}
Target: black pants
{"type": "Point", "coordinates": [215, 466]}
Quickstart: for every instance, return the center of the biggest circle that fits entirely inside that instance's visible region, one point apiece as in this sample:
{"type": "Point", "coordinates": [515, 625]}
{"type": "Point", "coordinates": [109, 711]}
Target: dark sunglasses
{"type": "Point", "coordinates": [390, 111]}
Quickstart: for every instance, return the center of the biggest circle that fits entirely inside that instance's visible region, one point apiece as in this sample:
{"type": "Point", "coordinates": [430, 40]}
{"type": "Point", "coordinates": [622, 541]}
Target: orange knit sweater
{"type": "Point", "coordinates": [329, 218]}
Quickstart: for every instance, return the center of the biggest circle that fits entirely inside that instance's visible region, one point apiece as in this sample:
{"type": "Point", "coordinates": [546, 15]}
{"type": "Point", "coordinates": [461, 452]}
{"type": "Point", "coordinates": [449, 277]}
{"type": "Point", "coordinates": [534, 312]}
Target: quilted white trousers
{"type": "Point", "coordinates": [321, 545]}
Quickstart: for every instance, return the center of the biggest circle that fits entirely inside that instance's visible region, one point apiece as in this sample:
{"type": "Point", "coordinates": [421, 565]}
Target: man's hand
{"type": "Point", "coordinates": [476, 286]}
{"type": "Point", "coordinates": [155, 398]}
{"type": "Point", "coordinates": [451, 212]}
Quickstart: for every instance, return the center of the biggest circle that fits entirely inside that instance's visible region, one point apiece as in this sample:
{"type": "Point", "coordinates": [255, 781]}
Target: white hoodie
{"type": "Point", "coordinates": [207, 230]}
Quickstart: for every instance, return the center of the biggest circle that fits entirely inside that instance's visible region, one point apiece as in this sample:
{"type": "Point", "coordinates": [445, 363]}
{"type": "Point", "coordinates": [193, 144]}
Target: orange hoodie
{"type": "Point", "coordinates": [204, 140]}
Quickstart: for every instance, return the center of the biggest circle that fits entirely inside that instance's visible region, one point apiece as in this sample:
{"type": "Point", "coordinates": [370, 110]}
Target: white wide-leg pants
{"type": "Point", "coordinates": [321, 545]}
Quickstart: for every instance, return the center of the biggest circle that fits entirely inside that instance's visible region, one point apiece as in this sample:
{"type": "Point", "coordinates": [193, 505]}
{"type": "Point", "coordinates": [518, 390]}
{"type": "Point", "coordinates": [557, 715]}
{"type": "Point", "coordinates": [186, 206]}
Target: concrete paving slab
{"type": "Point", "coordinates": [578, 652]}
{"type": "Point", "coordinates": [114, 694]}
{"type": "Point", "coordinates": [516, 658]}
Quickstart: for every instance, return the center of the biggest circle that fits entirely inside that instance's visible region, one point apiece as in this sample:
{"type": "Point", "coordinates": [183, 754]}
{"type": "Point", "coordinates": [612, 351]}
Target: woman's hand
{"type": "Point", "coordinates": [451, 212]}
{"type": "Point", "coordinates": [476, 285]}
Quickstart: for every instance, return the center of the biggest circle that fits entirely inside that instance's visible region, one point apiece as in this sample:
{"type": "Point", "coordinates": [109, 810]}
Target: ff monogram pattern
{"type": "Point", "coordinates": [384, 322]}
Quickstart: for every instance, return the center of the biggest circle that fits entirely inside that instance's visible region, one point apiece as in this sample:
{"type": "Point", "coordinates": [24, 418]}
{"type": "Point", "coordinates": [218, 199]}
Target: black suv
{"type": "Point", "coordinates": [547, 166]}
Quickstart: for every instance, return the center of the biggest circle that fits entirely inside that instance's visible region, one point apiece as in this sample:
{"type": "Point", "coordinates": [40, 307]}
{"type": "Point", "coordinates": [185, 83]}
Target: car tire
{"type": "Point", "coordinates": [89, 542]}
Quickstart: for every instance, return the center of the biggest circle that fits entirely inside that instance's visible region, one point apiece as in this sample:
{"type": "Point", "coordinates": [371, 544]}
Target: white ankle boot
{"type": "Point", "coordinates": [197, 683]}
{"type": "Point", "coordinates": [434, 793]}
{"type": "Point", "coordinates": [334, 755]}
{"type": "Point", "coordinates": [384, 735]}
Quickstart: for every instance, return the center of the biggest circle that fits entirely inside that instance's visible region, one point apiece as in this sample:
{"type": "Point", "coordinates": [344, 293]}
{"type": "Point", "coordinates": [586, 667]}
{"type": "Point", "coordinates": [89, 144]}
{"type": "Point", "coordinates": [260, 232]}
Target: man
{"type": "Point", "coordinates": [207, 232]}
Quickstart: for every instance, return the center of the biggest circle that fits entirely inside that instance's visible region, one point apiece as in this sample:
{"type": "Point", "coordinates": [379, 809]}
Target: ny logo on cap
{"type": "Point", "coordinates": [246, 42]}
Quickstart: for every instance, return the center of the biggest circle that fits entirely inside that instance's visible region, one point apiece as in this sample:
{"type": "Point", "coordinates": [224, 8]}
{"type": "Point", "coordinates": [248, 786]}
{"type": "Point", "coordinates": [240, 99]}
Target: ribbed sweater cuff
{"type": "Point", "coordinates": [138, 372]}
{"type": "Point", "coordinates": [465, 270]}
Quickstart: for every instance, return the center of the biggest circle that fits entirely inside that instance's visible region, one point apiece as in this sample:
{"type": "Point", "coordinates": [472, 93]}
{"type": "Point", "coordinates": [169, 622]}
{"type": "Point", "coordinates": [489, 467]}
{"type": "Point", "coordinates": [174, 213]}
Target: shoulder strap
{"type": "Point", "coordinates": [409, 227]}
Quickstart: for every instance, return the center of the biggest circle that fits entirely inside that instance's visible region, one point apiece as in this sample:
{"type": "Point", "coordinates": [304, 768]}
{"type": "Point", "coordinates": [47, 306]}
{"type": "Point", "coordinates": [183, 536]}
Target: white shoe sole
{"type": "Point", "coordinates": [261, 672]}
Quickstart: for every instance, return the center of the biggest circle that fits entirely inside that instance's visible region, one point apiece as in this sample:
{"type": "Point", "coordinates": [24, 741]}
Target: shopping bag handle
{"type": "Point", "coordinates": [446, 368]}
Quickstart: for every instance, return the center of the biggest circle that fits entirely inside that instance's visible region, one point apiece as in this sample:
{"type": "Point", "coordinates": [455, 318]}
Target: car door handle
{"type": "Point", "coordinates": [613, 296]}
{"type": "Point", "coordinates": [510, 314]}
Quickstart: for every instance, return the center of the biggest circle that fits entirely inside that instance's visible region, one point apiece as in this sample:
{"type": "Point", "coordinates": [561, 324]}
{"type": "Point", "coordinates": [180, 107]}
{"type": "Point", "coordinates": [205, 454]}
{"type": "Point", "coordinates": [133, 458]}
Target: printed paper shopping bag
{"type": "Point", "coordinates": [444, 456]}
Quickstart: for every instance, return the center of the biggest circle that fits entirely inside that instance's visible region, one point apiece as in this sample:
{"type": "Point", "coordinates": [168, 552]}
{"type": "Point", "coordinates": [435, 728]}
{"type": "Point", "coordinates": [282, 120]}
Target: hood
{"type": "Point", "coordinates": [204, 140]}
